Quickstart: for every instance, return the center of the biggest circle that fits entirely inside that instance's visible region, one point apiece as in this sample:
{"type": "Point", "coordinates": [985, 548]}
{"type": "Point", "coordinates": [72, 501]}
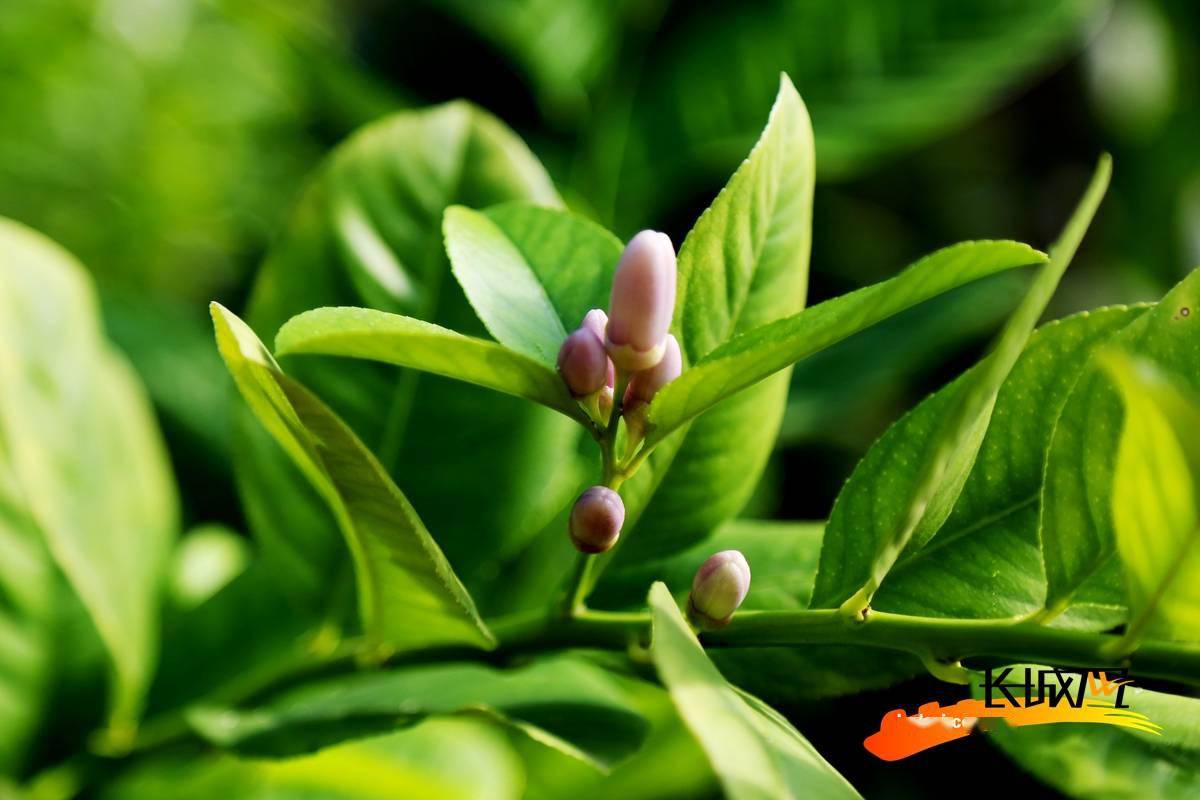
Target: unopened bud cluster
{"type": "Point", "coordinates": [718, 589]}
{"type": "Point", "coordinates": [632, 339]}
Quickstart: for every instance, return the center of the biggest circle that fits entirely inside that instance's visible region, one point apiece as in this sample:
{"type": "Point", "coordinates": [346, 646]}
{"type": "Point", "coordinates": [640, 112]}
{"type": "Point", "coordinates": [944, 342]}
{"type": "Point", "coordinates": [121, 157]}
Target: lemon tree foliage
{"type": "Point", "coordinates": [412, 620]}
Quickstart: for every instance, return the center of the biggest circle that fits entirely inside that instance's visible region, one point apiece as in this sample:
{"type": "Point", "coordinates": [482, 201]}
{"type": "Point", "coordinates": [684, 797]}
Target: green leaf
{"type": "Point", "coordinates": [743, 264]}
{"type": "Point", "coordinates": [530, 272]}
{"type": "Point", "coordinates": [407, 342]}
{"type": "Point", "coordinates": [407, 592]}
{"type": "Point", "coordinates": [990, 539]}
{"type": "Point", "coordinates": [27, 589]}
{"type": "Point", "coordinates": [865, 376]}
{"type": "Point", "coordinates": [368, 232]}
{"type": "Point", "coordinates": [501, 287]}
{"type": "Point", "coordinates": [919, 500]}
{"type": "Point", "coordinates": [1115, 763]}
{"type": "Point", "coordinates": [563, 45]}
{"type": "Point", "coordinates": [565, 703]}
{"type": "Point", "coordinates": [450, 759]}
{"type": "Point", "coordinates": [755, 752]}
{"type": "Point", "coordinates": [764, 351]}
{"type": "Point", "coordinates": [1156, 502]}
{"type": "Point", "coordinates": [83, 455]}
{"type": "Point", "coordinates": [1076, 502]}
{"type": "Point", "coordinates": [879, 79]}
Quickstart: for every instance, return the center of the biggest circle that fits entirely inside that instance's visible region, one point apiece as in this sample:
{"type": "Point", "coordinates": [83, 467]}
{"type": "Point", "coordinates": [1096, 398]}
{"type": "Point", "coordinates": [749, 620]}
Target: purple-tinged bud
{"type": "Point", "coordinates": [643, 300]}
{"type": "Point", "coordinates": [583, 363]}
{"type": "Point", "coordinates": [596, 520]}
{"type": "Point", "coordinates": [644, 385]}
{"type": "Point", "coordinates": [718, 589]}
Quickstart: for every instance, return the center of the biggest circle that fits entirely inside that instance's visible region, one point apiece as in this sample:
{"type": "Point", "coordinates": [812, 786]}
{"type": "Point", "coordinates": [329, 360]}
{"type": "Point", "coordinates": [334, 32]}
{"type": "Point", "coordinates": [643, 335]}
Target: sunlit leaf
{"type": "Point", "coordinates": [1076, 521]}
{"type": "Point", "coordinates": [407, 342]}
{"type": "Point", "coordinates": [755, 752]}
{"type": "Point", "coordinates": [407, 593]}
{"type": "Point", "coordinates": [1156, 501]}
{"type": "Point", "coordinates": [83, 453]}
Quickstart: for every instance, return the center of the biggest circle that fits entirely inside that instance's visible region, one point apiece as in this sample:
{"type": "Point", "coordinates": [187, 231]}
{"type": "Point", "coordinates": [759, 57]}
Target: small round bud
{"type": "Point", "coordinates": [642, 303]}
{"type": "Point", "coordinates": [644, 385]}
{"type": "Point", "coordinates": [583, 363]}
{"type": "Point", "coordinates": [718, 589]}
{"type": "Point", "coordinates": [596, 520]}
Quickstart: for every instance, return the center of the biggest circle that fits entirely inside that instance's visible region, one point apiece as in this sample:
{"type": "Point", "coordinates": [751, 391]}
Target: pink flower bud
{"type": "Point", "coordinates": [596, 520]}
{"type": "Point", "coordinates": [583, 363]}
{"type": "Point", "coordinates": [644, 385]}
{"type": "Point", "coordinates": [643, 300]}
{"type": "Point", "coordinates": [596, 321]}
{"type": "Point", "coordinates": [718, 589]}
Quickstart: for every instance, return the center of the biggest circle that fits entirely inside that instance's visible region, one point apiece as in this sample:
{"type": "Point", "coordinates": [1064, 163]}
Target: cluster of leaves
{"type": "Point", "coordinates": [433, 241]}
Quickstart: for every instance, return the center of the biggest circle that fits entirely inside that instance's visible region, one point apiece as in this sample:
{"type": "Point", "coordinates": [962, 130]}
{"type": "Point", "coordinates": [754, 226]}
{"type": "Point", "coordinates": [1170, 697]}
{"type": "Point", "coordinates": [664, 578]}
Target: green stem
{"type": "Point", "coordinates": [943, 642]}
{"type": "Point", "coordinates": [948, 640]}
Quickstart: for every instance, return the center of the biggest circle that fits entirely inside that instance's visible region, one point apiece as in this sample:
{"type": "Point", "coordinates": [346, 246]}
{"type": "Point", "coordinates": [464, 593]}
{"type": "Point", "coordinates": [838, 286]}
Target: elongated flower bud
{"type": "Point", "coordinates": [644, 385]}
{"type": "Point", "coordinates": [643, 300]}
{"type": "Point", "coordinates": [718, 589]}
{"type": "Point", "coordinates": [596, 520]}
{"type": "Point", "coordinates": [583, 363]}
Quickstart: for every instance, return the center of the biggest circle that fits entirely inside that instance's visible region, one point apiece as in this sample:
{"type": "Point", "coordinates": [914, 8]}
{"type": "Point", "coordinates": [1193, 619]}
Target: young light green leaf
{"type": "Point", "coordinates": [407, 593]}
{"type": "Point", "coordinates": [1076, 503]}
{"type": "Point", "coordinates": [991, 537]}
{"type": "Point", "coordinates": [565, 703]}
{"type": "Point", "coordinates": [1113, 762]}
{"type": "Point", "coordinates": [755, 752]}
{"type": "Point", "coordinates": [531, 273]}
{"type": "Point", "coordinates": [946, 464]}
{"type": "Point", "coordinates": [1156, 502]}
{"type": "Point", "coordinates": [407, 342]}
{"type": "Point", "coordinates": [759, 353]}
{"type": "Point", "coordinates": [84, 457]}
{"type": "Point", "coordinates": [448, 759]}
{"type": "Point", "coordinates": [367, 231]}
{"type": "Point", "coordinates": [501, 287]}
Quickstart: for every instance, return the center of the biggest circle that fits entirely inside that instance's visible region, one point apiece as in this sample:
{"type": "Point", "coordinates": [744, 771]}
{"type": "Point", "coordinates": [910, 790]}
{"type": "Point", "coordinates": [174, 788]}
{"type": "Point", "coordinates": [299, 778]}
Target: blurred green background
{"type": "Point", "coordinates": [164, 141]}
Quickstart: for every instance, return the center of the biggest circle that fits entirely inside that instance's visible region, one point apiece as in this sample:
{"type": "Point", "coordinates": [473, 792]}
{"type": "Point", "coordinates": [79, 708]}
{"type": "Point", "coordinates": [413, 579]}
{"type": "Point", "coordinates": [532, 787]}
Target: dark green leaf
{"type": "Point", "coordinates": [454, 759]}
{"type": "Point", "coordinates": [984, 560]}
{"type": "Point", "coordinates": [879, 79]}
{"type": "Point", "coordinates": [1092, 761]}
{"type": "Point", "coordinates": [921, 495]}
{"type": "Point", "coordinates": [565, 703]}
{"type": "Point", "coordinates": [408, 594]}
